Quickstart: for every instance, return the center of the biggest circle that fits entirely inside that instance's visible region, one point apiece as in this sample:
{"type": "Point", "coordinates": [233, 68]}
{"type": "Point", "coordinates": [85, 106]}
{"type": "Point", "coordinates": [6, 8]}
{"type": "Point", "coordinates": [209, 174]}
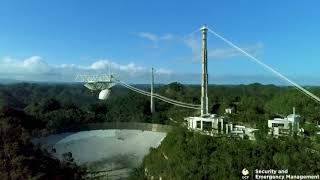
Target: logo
{"type": "Point", "coordinates": [245, 172]}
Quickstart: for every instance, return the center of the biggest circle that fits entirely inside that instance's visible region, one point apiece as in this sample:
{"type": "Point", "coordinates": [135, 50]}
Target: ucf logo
{"type": "Point", "coordinates": [245, 173]}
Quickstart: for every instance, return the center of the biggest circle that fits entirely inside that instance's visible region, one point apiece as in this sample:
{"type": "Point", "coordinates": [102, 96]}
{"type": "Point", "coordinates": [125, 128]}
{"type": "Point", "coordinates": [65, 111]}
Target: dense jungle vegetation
{"type": "Point", "coordinates": [187, 155]}
{"type": "Point", "coordinates": [29, 110]}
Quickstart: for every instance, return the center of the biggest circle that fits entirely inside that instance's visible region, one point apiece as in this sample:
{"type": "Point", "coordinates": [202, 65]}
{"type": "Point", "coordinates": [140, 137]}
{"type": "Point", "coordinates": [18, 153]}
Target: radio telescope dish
{"type": "Point", "coordinates": [104, 94]}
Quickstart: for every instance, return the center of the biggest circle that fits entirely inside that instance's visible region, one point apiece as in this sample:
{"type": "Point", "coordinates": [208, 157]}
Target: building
{"type": "Point", "coordinates": [285, 126]}
{"type": "Point", "coordinates": [229, 110]}
{"type": "Point", "coordinates": [242, 132]}
{"type": "Point", "coordinates": [210, 124]}
{"type": "Point", "coordinates": [214, 125]}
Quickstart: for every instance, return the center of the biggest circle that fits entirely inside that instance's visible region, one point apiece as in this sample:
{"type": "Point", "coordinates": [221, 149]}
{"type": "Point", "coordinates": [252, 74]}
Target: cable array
{"type": "Point", "coordinates": [157, 96]}
{"type": "Point", "coordinates": [297, 86]}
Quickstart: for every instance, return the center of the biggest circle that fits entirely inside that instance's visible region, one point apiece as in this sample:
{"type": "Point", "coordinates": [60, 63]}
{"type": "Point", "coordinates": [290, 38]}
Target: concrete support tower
{"type": "Point", "coordinates": [204, 83]}
{"type": "Point", "coordinates": [152, 100]}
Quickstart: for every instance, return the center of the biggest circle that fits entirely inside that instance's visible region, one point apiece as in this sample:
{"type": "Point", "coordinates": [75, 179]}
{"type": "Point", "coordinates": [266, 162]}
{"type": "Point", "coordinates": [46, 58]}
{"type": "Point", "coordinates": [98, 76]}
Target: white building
{"type": "Point", "coordinates": [285, 126]}
{"type": "Point", "coordinates": [242, 131]}
{"type": "Point", "coordinates": [213, 124]}
{"type": "Point", "coordinates": [229, 110]}
{"type": "Point", "coordinates": [209, 124]}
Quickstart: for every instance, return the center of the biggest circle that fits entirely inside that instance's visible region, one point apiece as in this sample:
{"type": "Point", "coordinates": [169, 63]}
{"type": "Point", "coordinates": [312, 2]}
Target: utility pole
{"type": "Point", "coordinates": [152, 100]}
{"type": "Point", "coordinates": [204, 83]}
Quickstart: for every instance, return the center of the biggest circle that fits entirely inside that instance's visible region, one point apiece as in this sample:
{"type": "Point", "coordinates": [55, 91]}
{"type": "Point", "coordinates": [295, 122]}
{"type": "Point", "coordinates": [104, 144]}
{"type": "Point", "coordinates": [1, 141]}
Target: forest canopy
{"type": "Point", "coordinates": [32, 110]}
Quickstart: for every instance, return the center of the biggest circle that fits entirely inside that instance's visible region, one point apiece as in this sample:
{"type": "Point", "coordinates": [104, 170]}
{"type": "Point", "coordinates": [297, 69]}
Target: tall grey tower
{"type": "Point", "coordinates": [204, 83]}
{"type": "Point", "coordinates": [152, 100]}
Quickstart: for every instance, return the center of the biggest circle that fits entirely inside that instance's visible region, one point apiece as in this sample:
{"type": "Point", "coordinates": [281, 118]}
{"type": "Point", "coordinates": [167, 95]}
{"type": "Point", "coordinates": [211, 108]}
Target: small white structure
{"type": "Point", "coordinates": [285, 126]}
{"type": "Point", "coordinates": [242, 131]}
{"type": "Point", "coordinates": [229, 110]}
{"type": "Point", "coordinates": [250, 132]}
{"type": "Point", "coordinates": [238, 131]}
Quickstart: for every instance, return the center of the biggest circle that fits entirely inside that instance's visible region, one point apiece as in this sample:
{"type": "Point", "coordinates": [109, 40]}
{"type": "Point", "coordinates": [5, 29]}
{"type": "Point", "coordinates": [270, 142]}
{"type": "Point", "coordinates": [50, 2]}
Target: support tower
{"type": "Point", "coordinates": [204, 83]}
{"type": "Point", "coordinates": [152, 100]}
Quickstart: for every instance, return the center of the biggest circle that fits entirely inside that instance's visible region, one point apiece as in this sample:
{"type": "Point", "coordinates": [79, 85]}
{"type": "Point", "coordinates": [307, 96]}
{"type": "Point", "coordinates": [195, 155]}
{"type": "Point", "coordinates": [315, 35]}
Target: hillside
{"type": "Point", "coordinates": [42, 109]}
{"type": "Point", "coordinates": [186, 155]}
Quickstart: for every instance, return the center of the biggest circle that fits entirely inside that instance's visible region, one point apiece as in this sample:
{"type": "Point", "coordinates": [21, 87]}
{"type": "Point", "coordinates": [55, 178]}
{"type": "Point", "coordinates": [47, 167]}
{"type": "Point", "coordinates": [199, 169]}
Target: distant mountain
{"type": "Point", "coordinates": [13, 81]}
{"type": "Point", "coordinates": [9, 81]}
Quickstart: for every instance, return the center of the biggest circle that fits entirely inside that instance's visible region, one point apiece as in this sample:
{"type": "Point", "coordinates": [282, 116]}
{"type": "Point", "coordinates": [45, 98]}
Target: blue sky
{"type": "Point", "coordinates": [55, 40]}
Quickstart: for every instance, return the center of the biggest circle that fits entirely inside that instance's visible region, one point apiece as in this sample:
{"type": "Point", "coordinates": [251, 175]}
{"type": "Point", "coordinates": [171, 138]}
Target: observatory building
{"type": "Point", "coordinates": [285, 126]}
{"type": "Point", "coordinates": [209, 124]}
{"type": "Point", "coordinates": [213, 125]}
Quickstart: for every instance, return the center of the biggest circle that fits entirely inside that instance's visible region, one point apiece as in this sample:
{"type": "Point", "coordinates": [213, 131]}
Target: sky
{"type": "Point", "coordinates": [43, 40]}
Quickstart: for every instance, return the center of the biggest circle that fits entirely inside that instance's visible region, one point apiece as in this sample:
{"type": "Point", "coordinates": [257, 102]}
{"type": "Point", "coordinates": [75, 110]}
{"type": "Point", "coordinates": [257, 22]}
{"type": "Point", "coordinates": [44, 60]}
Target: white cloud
{"type": "Point", "coordinates": [35, 68]}
{"type": "Point", "coordinates": [219, 53]}
{"type": "Point", "coordinates": [231, 52]}
{"type": "Point", "coordinates": [149, 36]}
{"type": "Point", "coordinates": [195, 44]}
{"type": "Point", "coordinates": [102, 64]}
{"type": "Point", "coordinates": [109, 65]}
{"type": "Point", "coordinates": [32, 65]}
{"type": "Point", "coordinates": [167, 37]}
{"type": "Point", "coordinates": [66, 66]}
{"type": "Point", "coordinates": [154, 37]}
{"type": "Point", "coordinates": [164, 71]}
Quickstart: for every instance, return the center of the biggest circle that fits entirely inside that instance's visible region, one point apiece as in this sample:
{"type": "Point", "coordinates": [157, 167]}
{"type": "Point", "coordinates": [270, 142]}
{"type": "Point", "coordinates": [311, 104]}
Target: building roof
{"type": "Point", "coordinates": [293, 116]}
{"type": "Point", "coordinates": [282, 120]}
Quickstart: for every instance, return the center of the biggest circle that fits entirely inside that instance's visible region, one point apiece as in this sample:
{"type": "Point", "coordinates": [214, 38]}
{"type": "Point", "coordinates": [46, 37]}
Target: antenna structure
{"type": "Point", "coordinates": [152, 108]}
{"type": "Point", "coordinates": [103, 82]}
